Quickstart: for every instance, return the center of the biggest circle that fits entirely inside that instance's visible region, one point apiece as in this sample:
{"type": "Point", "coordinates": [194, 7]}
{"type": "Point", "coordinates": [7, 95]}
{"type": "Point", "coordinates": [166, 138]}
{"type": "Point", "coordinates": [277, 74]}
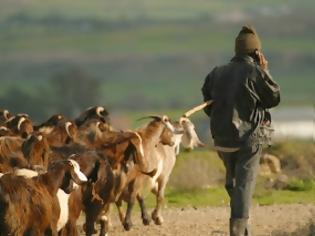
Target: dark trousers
{"type": "Point", "coordinates": [241, 171]}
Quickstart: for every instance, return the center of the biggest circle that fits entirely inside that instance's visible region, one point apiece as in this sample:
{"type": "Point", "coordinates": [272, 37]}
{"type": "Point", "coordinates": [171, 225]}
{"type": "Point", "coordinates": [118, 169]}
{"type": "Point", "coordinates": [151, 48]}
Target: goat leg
{"type": "Point", "coordinates": [120, 210]}
{"type": "Point", "coordinates": [127, 222]}
{"type": "Point", "coordinates": [104, 221]}
{"type": "Point", "coordinates": [144, 213]}
{"type": "Point", "coordinates": [90, 219]}
{"type": "Point", "coordinates": [69, 229]}
{"type": "Point", "coordinates": [156, 215]}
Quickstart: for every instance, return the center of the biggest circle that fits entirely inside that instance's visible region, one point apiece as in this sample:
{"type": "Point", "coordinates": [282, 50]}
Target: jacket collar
{"type": "Point", "coordinates": [242, 58]}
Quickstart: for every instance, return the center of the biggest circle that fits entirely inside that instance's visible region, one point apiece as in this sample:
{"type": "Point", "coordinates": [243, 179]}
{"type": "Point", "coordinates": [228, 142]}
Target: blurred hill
{"type": "Point", "coordinates": [140, 54]}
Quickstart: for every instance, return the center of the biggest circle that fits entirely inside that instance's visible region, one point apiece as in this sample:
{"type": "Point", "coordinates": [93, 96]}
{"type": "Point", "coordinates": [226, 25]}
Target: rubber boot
{"type": "Point", "coordinates": [238, 227]}
{"type": "Point", "coordinates": [248, 231]}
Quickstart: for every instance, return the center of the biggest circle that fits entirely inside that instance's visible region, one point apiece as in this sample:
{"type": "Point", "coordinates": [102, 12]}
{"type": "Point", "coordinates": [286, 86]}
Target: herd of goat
{"type": "Point", "coordinates": [50, 173]}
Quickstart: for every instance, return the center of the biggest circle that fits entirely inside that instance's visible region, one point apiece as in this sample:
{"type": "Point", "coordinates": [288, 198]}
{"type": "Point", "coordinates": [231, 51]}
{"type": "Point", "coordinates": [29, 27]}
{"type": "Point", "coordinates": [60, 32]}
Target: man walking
{"type": "Point", "coordinates": [241, 91]}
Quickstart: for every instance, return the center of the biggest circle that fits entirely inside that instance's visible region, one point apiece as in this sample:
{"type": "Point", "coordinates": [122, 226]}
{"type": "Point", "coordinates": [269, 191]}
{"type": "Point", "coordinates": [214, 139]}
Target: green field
{"type": "Point", "coordinates": [198, 178]}
{"type": "Point", "coordinates": [145, 55]}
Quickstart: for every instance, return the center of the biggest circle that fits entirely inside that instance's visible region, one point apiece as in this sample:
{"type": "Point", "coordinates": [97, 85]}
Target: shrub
{"type": "Point", "coordinates": [301, 185]}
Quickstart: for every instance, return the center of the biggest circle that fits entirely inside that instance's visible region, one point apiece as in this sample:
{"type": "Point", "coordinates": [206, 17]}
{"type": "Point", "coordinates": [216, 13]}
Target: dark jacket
{"type": "Point", "coordinates": [241, 92]}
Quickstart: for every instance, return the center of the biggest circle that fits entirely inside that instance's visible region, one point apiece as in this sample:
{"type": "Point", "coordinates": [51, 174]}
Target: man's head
{"type": "Point", "coordinates": [247, 41]}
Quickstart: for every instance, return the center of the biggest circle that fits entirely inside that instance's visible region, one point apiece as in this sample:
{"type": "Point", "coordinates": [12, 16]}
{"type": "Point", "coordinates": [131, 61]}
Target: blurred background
{"type": "Point", "coordinates": [144, 56]}
{"type": "Point", "coordinates": [138, 57]}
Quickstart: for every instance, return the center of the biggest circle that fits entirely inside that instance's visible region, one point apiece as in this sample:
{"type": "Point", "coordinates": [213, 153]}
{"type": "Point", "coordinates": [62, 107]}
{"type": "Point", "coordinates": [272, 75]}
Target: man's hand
{"type": "Point", "coordinates": [262, 60]}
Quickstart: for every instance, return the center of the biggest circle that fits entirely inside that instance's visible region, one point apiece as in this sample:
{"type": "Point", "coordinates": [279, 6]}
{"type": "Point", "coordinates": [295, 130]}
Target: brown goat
{"type": "Point", "coordinates": [87, 133]}
{"type": "Point", "coordinates": [4, 131]}
{"type": "Point", "coordinates": [96, 112]}
{"type": "Point", "coordinates": [71, 204]}
{"type": "Point", "coordinates": [10, 145]}
{"type": "Point", "coordinates": [10, 153]}
{"type": "Point", "coordinates": [30, 206]}
{"type": "Point", "coordinates": [36, 150]}
{"type": "Point", "coordinates": [124, 151]}
{"type": "Point", "coordinates": [124, 161]}
{"type": "Point", "coordinates": [21, 125]}
{"type": "Point", "coordinates": [92, 165]}
{"type": "Point", "coordinates": [54, 120]}
{"type": "Point", "coordinates": [16, 152]}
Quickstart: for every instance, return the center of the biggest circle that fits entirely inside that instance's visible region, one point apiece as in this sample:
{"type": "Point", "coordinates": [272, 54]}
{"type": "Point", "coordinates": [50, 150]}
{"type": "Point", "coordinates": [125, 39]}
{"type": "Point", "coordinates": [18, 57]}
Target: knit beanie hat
{"type": "Point", "coordinates": [247, 40]}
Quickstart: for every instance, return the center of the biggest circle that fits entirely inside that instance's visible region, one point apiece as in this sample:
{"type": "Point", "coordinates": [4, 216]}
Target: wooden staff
{"type": "Point", "coordinates": [197, 108]}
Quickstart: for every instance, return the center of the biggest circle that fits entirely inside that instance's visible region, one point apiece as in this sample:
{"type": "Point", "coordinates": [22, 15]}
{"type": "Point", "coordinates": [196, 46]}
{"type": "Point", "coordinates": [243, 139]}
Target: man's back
{"type": "Point", "coordinates": [241, 92]}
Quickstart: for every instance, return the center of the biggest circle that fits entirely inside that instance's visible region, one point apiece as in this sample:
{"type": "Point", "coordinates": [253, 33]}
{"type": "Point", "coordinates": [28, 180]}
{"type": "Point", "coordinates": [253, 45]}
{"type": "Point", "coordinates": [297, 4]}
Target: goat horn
{"type": "Point", "coordinates": [197, 108]}
{"type": "Point", "coordinates": [6, 114]}
{"type": "Point", "coordinates": [3, 128]}
{"type": "Point", "coordinates": [10, 119]}
{"type": "Point", "coordinates": [99, 110]}
{"type": "Point", "coordinates": [72, 156]}
{"type": "Point", "coordinates": [150, 117]}
{"type": "Point", "coordinates": [67, 126]}
{"type": "Point", "coordinates": [22, 119]}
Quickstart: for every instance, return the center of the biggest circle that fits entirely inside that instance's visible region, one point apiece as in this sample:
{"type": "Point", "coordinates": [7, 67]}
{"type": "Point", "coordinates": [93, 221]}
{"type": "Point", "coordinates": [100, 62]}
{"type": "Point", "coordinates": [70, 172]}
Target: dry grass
{"type": "Point", "coordinates": [304, 230]}
{"type": "Point", "coordinates": [196, 170]}
{"type": "Point", "coordinates": [297, 158]}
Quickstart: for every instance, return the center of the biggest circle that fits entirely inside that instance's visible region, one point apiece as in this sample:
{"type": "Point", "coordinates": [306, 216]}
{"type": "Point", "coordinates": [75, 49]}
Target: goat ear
{"type": "Point", "coordinates": [76, 174]}
{"type": "Point", "coordinates": [103, 126]}
{"type": "Point", "coordinates": [165, 118]}
{"type": "Point", "coordinates": [27, 146]}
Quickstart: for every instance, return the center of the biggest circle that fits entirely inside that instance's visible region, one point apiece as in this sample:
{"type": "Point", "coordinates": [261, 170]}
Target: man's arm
{"type": "Point", "coordinates": [268, 90]}
{"type": "Point", "coordinates": [206, 91]}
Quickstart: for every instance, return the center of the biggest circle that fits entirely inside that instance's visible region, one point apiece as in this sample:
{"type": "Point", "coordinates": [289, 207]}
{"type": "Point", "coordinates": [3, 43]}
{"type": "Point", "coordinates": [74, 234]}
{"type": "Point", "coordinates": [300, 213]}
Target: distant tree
{"type": "Point", "coordinates": [75, 90]}
{"type": "Point", "coordinates": [17, 100]}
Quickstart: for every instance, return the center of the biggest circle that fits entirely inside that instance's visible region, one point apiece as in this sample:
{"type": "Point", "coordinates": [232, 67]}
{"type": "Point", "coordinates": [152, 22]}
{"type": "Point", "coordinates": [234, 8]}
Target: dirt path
{"type": "Point", "coordinates": [214, 221]}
